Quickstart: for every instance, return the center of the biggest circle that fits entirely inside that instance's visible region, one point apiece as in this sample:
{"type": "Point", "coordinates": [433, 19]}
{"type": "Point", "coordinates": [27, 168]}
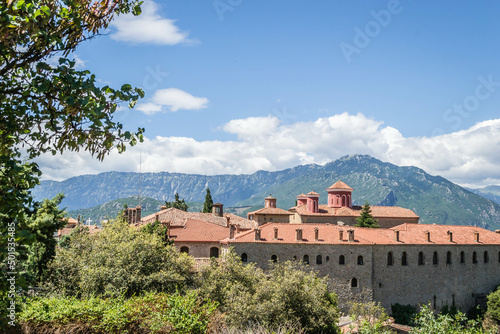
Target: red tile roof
{"type": "Point", "coordinates": [199, 231]}
{"type": "Point", "coordinates": [340, 185]}
{"type": "Point", "coordinates": [355, 211]}
{"type": "Point", "coordinates": [302, 195]}
{"type": "Point", "coordinates": [271, 211]}
{"type": "Point", "coordinates": [312, 193]}
{"type": "Point", "coordinates": [409, 234]}
{"type": "Point", "coordinates": [178, 217]}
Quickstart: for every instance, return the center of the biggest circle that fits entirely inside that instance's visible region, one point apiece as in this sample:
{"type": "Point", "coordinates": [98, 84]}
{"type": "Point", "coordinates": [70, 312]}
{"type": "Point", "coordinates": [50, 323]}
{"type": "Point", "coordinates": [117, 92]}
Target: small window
{"type": "Point", "coordinates": [390, 259]}
{"type": "Point", "coordinates": [319, 259]}
{"type": "Point", "coordinates": [306, 259]}
{"type": "Point", "coordinates": [435, 258]}
{"type": "Point", "coordinates": [250, 217]}
{"type": "Point", "coordinates": [214, 252]}
{"type": "Point", "coordinates": [244, 257]}
{"type": "Point", "coordinates": [404, 259]}
{"type": "Point", "coordinates": [354, 283]}
{"type": "Point", "coordinates": [474, 257]}
{"type": "Point", "coordinates": [448, 258]}
{"type": "Point", "coordinates": [327, 258]}
{"type": "Point", "coordinates": [421, 260]}
{"type": "Point", "coordinates": [341, 259]}
{"type": "Point", "coordinates": [185, 249]}
{"type": "Point", "coordinates": [486, 257]}
{"type": "Point", "coordinates": [295, 257]}
{"type": "Point", "coordinates": [274, 258]}
{"type": "Point", "coordinates": [462, 257]}
{"type": "Point", "coordinates": [498, 257]}
{"type": "Point", "coordinates": [360, 260]}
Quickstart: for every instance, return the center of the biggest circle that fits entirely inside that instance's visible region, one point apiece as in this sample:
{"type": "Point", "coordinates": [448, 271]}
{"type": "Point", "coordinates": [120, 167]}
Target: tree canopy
{"type": "Point", "coordinates": [207, 206]}
{"type": "Point", "coordinates": [177, 203]}
{"type": "Point", "coordinates": [366, 219]}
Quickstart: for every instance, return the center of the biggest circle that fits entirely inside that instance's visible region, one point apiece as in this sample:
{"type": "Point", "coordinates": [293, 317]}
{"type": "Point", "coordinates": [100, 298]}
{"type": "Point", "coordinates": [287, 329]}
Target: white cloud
{"type": "Point", "coordinates": [149, 27]}
{"type": "Point", "coordinates": [470, 157]}
{"type": "Point", "coordinates": [174, 99]}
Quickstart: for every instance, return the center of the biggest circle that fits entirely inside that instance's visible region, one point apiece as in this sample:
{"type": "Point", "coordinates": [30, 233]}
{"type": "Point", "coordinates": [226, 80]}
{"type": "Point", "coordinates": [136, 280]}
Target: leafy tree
{"type": "Point", "coordinates": [288, 295]}
{"type": "Point", "coordinates": [177, 203]}
{"type": "Point", "coordinates": [370, 317]}
{"type": "Point", "coordinates": [207, 206]}
{"type": "Point", "coordinates": [159, 229]}
{"type": "Point", "coordinates": [366, 219]}
{"type": "Point", "coordinates": [119, 260]}
{"type": "Point", "coordinates": [427, 322]}
{"type": "Point", "coordinates": [48, 218]}
{"type": "Point", "coordinates": [50, 108]}
{"type": "Point", "coordinates": [403, 314]}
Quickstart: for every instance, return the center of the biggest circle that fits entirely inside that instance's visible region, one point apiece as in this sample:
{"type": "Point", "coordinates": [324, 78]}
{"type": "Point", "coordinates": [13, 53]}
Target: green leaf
{"type": "Point", "coordinates": [46, 10]}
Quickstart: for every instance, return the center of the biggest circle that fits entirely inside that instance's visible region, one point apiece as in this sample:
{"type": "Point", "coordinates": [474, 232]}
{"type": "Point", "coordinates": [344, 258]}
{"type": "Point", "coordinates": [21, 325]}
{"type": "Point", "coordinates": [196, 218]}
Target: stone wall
{"type": "Point", "coordinates": [197, 249]}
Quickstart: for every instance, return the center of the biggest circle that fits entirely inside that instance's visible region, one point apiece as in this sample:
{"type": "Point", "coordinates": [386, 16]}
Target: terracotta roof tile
{"type": "Point", "coordinates": [312, 193]}
{"type": "Point", "coordinates": [302, 195]}
{"type": "Point", "coordinates": [340, 185]}
{"type": "Point", "coordinates": [178, 217]}
{"type": "Point", "coordinates": [355, 211]}
{"type": "Point", "coordinates": [271, 211]}
{"type": "Point", "coordinates": [408, 234]}
{"type": "Point", "coordinates": [199, 231]}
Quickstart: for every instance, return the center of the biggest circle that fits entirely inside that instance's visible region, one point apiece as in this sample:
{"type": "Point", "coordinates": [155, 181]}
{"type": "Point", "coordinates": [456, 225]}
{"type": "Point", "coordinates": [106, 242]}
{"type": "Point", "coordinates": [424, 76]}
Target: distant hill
{"type": "Point", "coordinates": [489, 192]}
{"type": "Point", "coordinates": [111, 209]}
{"type": "Point", "coordinates": [433, 198]}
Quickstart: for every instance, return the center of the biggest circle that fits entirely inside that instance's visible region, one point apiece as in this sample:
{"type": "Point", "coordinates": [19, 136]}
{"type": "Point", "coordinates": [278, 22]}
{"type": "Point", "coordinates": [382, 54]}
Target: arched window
{"type": "Point", "coordinates": [390, 259]}
{"type": "Point", "coordinates": [354, 283]}
{"type": "Point", "coordinates": [327, 258]}
{"type": "Point", "coordinates": [341, 259]}
{"type": "Point", "coordinates": [404, 259]}
{"type": "Point", "coordinates": [435, 258]}
{"type": "Point", "coordinates": [462, 257]}
{"type": "Point", "coordinates": [474, 257]}
{"type": "Point", "coordinates": [295, 257]}
{"type": "Point", "coordinates": [360, 260]}
{"type": "Point", "coordinates": [448, 258]}
{"type": "Point", "coordinates": [486, 257]}
{"type": "Point", "coordinates": [319, 259]}
{"type": "Point", "coordinates": [214, 252]}
{"type": "Point", "coordinates": [498, 257]}
{"type": "Point", "coordinates": [343, 200]}
{"type": "Point", "coordinates": [244, 257]}
{"type": "Point", "coordinates": [338, 200]}
{"type": "Point", "coordinates": [274, 258]}
{"type": "Point", "coordinates": [185, 249]}
{"type": "Point", "coordinates": [306, 259]}
{"type": "Point", "coordinates": [421, 260]}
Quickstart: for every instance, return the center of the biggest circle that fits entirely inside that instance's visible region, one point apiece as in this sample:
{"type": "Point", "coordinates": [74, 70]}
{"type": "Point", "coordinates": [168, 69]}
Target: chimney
{"type": "Point", "coordinates": [227, 221]}
{"type": "Point", "coordinates": [275, 233]}
{"type": "Point", "coordinates": [427, 236]}
{"type": "Point", "coordinates": [299, 234]}
{"type": "Point", "coordinates": [396, 235]}
{"type": "Point", "coordinates": [232, 228]}
{"type": "Point", "coordinates": [163, 207]}
{"type": "Point", "coordinates": [350, 235]}
{"type": "Point", "coordinates": [476, 236]}
{"type": "Point", "coordinates": [450, 234]}
{"type": "Point", "coordinates": [316, 234]}
{"type": "Point", "coordinates": [257, 234]}
{"type": "Point", "coordinates": [497, 231]}
{"type": "Point", "coordinates": [217, 209]}
{"type": "Point", "coordinates": [341, 235]}
{"type": "Point", "coordinates": [157, 217]}
{"type": "Point", "coordinates": [138, 215]}
{"type": "Point", "coordinates": [238, 229]}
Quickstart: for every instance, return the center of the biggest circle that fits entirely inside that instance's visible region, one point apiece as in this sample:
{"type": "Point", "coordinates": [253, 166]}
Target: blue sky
{"type": "Point", "coordinates": [234, 86]}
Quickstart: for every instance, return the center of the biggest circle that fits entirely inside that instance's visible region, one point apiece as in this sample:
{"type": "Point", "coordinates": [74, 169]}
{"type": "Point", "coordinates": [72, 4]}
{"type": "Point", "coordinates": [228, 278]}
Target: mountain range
{"type": "Point", "coordinates": [433, 198]}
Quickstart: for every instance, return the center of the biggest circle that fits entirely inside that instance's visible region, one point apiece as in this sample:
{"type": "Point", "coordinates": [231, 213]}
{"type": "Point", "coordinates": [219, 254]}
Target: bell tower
{"type": "Point", "coordinates": [339, 195]}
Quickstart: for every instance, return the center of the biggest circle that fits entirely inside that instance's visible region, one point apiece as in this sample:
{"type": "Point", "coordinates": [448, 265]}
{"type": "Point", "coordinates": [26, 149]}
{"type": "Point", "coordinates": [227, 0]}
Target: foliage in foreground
{"type": "Point", "coordinates": [120, 260]}
{"type": "Point", "coordinates": [288, 295]}
{"type": "Point", "coordinates": [427, 322]}
{"type": "Point", "coordinates": [151, 313]}
{"type": "Point", "coordinates": [370, 317]}
{"type": "Point", "coordinates": [404, 314]}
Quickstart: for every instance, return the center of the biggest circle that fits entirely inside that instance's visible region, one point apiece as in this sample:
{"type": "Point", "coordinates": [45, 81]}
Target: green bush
{"type": "Point", "coordinates": [403, 314]}
{"type": "Point", "coordinates": [288, 295]}
{"type": "Point", "coordinates": [151, 313]}
{"type": "Point", "coordinates": [119, 260]}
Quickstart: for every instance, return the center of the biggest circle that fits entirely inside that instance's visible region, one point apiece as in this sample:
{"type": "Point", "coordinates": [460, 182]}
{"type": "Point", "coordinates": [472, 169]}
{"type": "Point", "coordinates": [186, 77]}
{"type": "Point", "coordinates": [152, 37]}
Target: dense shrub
{"type": "Point", "coordinates": [151, 313]}
{"type": "Point", "coordinates": [120, 260]}
{"type": "Point", "coordinates": [288, 295]}
{"type": "Point", "coordinates": [369, 317]}
{"type": "Point", "coordinates": [403, 314]}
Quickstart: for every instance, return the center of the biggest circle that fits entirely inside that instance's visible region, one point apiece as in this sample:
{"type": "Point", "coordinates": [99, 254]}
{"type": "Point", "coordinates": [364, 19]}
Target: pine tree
{"type": "Point", "coordinates": [177, 203]}
{"type": "Point", "coordinates": [207, 206]}
{"type": "Point", "coordinates": [366, 219]}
